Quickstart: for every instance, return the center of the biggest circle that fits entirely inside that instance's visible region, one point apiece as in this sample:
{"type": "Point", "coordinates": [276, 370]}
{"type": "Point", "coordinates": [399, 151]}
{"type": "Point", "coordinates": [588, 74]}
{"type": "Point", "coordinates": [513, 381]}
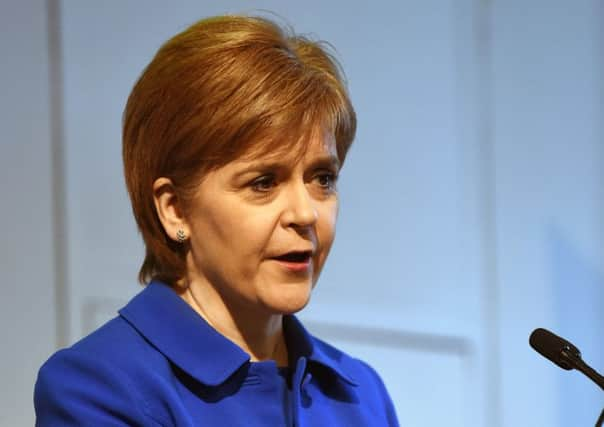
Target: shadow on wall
{"type": "Point", "coordinates": [578, 288]}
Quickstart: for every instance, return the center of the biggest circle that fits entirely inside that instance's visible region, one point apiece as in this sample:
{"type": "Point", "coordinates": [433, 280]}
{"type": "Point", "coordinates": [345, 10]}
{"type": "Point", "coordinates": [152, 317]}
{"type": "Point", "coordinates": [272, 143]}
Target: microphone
{"type": "Point", "coordinates": [562, 353]}
{"type": "Point", "coordinates": [565, 355]}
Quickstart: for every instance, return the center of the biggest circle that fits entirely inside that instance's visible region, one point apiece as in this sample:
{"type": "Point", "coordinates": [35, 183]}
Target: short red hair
{"type": "Point", "coordinates": [220, 88]}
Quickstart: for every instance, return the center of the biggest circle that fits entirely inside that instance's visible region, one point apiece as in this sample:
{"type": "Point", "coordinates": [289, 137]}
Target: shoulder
{"type": "Point", "coordinates": [117, 345]}
{"type": "Point", "coordinates": [100, 380]}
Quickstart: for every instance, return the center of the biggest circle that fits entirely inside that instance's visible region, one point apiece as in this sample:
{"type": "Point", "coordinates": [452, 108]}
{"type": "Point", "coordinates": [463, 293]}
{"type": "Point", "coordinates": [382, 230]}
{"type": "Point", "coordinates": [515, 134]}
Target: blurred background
{"type": "Point", "coordinates": [472, 201]}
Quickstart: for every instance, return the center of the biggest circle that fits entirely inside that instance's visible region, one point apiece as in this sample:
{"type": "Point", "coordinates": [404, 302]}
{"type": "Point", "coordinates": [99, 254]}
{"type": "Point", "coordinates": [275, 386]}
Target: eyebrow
{"type": "Point", "coordinates": [327, 161]}
{"type": "Point", "coordinates": [322, 161]}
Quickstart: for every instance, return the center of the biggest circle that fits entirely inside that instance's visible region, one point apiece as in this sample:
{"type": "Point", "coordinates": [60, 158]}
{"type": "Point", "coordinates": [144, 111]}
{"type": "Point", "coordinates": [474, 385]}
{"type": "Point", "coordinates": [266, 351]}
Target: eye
{"type": "Point", "coordinates": [326, 180]}
{"type": "Point", "coordinates": [263, 183]}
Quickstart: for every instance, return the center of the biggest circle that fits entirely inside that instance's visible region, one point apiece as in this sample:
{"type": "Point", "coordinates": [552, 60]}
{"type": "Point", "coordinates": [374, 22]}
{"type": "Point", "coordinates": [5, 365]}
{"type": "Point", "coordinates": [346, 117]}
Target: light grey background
{"type": "Point", "coordinates": [472, 202]}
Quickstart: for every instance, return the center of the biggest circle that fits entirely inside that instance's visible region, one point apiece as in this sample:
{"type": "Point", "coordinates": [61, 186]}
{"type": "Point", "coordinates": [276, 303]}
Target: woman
{"type": "Point", "coordinates": [233, 138]}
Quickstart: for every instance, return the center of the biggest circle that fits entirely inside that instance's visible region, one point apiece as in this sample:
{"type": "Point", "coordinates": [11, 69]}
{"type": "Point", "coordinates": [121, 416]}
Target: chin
{"type": "Point", "coordinates": [293, 308]}
{"type": "Point", "coordinates": [290, 301]}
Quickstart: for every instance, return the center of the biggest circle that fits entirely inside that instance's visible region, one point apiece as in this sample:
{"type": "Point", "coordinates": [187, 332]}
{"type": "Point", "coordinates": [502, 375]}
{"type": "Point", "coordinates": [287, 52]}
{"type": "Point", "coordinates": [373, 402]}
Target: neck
{"type": "Point", "coordinates": [258, 334]}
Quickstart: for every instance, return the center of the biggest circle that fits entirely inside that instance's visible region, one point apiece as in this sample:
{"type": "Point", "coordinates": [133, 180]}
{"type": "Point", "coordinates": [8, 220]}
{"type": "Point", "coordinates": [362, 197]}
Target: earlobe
{"type": "Point", "coordinates": [169, 209]}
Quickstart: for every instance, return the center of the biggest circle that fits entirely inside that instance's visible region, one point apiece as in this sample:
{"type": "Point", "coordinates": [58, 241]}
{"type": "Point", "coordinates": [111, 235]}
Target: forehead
{"type": "Point", "coordinates": [318, 143]}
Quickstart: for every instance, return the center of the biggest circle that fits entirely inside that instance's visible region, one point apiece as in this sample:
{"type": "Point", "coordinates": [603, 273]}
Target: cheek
{"type": "Point", "coordinates": [219, 235]}
{"type": "Point", "coordinates": [241, 229]}
{"type": "Point", "coordinates": [227, 249]}
{"type": "Point", "coordinates": [326, 230]}
{"type": "Point", "coordinates": [326, 227]}
{"type": "Point", "coordinates": [254, 231]}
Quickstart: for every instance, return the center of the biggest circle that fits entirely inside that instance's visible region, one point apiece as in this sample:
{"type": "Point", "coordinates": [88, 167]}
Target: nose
{"type": "Point", "coordinates": [300, 210]}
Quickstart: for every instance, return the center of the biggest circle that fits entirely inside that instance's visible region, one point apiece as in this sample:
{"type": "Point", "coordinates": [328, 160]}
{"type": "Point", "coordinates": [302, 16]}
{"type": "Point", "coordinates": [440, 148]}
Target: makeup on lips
{"type": "Point", "coordinates": [295, 261]}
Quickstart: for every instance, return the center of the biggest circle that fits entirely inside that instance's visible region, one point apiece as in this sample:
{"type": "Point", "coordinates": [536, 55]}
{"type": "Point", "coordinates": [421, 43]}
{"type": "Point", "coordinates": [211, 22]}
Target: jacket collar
{"type": "Point", "coordinates": [301, 344]}
{"type": "Point", "coordinates": [188, 341]}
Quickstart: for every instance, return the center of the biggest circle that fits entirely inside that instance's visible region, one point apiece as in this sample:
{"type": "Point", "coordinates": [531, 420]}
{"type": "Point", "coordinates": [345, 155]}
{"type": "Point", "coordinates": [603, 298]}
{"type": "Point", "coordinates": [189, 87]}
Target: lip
{"type": "Point", "coordinates": [296, 267]}
{"type": "Point", "coordinates": [310, 250]}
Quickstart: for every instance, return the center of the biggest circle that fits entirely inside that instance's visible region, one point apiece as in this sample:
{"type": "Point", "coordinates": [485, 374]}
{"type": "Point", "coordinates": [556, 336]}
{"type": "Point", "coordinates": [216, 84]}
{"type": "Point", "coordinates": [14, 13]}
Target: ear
{"type": "Point", "coordinates": [169, 208]}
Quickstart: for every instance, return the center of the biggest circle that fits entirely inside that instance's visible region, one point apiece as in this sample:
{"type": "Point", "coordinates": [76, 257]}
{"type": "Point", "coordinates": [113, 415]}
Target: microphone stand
{"type": "Point", "coordinates": [600, 421]}
{"type": "Point", "coordinates": [578, 363]}
{"type": "Point", "coordinates": [581, 366]}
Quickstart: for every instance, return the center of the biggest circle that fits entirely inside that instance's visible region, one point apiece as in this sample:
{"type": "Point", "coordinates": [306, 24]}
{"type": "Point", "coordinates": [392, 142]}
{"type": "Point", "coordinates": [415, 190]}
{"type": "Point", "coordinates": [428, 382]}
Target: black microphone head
{"type": "Point", "coordinates": [554, 348]}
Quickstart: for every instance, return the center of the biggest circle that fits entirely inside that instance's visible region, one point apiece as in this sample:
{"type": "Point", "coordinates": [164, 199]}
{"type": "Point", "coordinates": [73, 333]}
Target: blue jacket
{"type": "Point", "coordinates": [160, 364]}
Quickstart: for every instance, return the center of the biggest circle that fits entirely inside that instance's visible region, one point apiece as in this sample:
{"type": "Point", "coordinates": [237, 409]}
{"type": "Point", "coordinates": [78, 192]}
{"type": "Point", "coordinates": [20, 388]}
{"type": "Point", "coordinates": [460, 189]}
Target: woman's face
{"type": "Point", "coordinates": [261, 228]}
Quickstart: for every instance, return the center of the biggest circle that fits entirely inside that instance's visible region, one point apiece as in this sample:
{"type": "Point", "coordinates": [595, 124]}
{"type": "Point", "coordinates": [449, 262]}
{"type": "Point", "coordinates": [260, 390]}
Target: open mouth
{"type": "Point", "coordinates": [295, 257]}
